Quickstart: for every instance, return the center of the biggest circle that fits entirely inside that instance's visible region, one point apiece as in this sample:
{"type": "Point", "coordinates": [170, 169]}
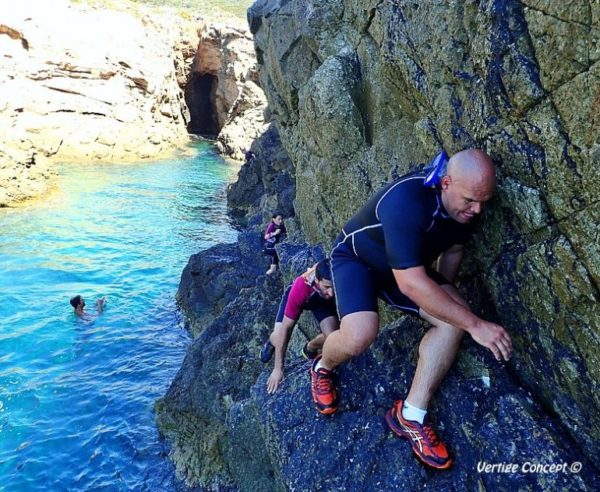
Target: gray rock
{"type": "Point", "coordinates": [265, 184]}
{"type": "Point", "coordinates": [398, 80]}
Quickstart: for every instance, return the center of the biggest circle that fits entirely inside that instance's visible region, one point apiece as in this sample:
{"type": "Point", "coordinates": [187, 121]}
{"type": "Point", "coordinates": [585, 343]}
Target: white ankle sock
{"type": "Point", "coordinates": [410, 412]}
{"type": "Point", "coordinates": [318, 365]}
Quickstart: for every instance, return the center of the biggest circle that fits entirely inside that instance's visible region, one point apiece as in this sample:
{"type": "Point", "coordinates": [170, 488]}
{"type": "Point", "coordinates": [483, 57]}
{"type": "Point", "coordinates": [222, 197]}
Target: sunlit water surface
{"type": "Point", "coordinates": [76, 396]}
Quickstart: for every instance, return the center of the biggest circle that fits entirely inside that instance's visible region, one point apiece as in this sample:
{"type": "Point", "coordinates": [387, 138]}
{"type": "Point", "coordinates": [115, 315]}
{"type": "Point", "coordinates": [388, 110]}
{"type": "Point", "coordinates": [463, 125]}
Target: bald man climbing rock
{"type": "Point", "coordinates": [405, 246]}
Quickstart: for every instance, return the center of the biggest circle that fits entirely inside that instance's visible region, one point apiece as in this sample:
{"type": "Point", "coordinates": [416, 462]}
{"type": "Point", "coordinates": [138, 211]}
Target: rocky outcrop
{"type": "Point", "coordinates": [266, 183]}
{"type": "Point", "coordinates": [212, 279]}
{"type": "Point", "coordinates": [98, 85]}
{"type": "Point", "coordinates": [23, 174]}
{"type": "Point", "coordinates": [227, 433]}
{"type": "Point", "coordinates": [223, 94]}
{"type": "Point", "coordinates": [222, 365]}
{"type": "Point", "coordinates": [361, 91]}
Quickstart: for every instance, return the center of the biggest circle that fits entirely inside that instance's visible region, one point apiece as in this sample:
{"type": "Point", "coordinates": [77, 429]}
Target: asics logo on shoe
{"type": "Point", "coordinates": [424, 442]}
{"type": "Point", "coordinates": [414, 436]}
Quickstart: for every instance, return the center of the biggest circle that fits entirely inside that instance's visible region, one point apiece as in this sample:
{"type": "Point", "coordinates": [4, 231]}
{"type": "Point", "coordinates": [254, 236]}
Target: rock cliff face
{"type": "Point", "coordinates": [265, 184]}
{"type": "Point", "coordinates": [93, 84]}
{"type": "Point", "coordinates": [223, 93]}
{"type": "Point", "coordinates": [361, 91]}
{"type": "Point", "coordinates": [84, 83]}
{"type": "Point", "coordinates": [362, 87]}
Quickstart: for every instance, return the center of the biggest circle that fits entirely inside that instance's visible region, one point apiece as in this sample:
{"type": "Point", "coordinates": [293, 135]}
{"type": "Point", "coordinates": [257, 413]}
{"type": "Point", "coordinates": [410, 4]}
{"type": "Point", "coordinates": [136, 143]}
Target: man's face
{"type": "Point", "coordinates": [464, 199]}
{"type": "Point", "coordinates": [325, 288]}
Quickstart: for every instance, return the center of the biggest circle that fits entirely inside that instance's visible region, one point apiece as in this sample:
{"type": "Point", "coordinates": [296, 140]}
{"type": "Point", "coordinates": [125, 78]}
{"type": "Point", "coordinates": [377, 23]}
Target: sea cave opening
{"type": "Point", "coordinates": [200, 96]}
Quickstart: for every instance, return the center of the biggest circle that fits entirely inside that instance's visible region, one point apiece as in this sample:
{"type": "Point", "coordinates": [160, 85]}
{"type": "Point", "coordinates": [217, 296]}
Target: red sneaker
{"type": "Point", "coordinates": [424, 441]}
{"type": "Point", "coordinates": [323, 386]}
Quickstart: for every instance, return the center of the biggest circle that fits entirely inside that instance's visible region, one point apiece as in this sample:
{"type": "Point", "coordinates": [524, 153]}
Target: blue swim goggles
{"type": "Point", "coordinates": [436, 170]}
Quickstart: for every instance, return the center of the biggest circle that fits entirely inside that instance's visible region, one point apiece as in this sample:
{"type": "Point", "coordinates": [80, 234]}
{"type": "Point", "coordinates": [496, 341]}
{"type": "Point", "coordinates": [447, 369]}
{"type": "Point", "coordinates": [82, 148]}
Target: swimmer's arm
{"type": "Point", "coordinates": [449, 262]}
{"type": "Point", "coordinates": [100, 304]}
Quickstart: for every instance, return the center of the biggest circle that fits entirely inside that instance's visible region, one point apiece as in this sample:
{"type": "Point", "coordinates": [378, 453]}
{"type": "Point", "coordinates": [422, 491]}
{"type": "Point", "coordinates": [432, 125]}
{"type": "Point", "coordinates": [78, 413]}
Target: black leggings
{"type": "Point", "coordinates": [273, 254]}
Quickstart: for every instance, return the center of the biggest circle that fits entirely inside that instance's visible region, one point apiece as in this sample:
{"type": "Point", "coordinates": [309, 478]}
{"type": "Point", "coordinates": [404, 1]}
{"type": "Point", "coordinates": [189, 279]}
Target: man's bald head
{"type": "Point", "coordinates": [469, 182]}
{"type": "Point", "coordinates": [474, 166]}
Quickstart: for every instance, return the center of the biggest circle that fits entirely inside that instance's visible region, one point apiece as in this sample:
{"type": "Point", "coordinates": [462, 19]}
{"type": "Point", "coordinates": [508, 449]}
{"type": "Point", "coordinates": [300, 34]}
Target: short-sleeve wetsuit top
{"type": "Point", "coordinates": [303, 295]}
{"type": "Point", "coordinates": [403, 225]}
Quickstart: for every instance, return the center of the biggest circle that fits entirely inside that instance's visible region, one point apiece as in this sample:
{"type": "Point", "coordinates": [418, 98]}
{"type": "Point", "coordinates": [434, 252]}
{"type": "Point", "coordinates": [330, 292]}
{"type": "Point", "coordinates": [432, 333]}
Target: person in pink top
{"type": "Point", "coordinates": [273, 235]}
{"type": "Point", "coordinates": [313, 291]}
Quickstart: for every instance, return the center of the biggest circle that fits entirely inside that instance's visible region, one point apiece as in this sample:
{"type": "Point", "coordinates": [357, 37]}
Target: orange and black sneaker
{"type": "Point", "coordinates": [323, 386]}
{"type": "Point", "coordinates": [424, 441]}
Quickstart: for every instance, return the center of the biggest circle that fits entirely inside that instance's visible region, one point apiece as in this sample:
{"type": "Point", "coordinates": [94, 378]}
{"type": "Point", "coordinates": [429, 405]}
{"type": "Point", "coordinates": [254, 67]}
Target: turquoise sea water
{"type": "Point", "coordinates": [76, 396]}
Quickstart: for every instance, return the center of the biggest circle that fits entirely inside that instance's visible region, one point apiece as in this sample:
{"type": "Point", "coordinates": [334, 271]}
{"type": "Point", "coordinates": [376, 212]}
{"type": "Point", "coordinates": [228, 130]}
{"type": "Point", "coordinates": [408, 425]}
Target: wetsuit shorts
{"type": "Point", "coordinates": [319, 306]}
{"type": "Point", "coordinates": [357, 286]}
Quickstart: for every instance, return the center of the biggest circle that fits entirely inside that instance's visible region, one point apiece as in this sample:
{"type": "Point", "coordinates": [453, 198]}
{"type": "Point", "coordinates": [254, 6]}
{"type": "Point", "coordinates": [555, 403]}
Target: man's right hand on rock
{"type": "Point", "coordinates": [493, 337]}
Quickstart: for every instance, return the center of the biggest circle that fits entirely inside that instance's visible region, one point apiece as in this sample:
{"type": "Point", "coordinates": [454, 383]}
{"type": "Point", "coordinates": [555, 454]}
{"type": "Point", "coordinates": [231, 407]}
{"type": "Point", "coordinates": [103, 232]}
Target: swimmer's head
{"type": "Point", "coordinates": [76, 301]}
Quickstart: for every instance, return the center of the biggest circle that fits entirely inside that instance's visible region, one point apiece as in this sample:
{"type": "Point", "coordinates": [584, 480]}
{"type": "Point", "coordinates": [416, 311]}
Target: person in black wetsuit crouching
{"type": "Point", "coordinates": [388, 250]}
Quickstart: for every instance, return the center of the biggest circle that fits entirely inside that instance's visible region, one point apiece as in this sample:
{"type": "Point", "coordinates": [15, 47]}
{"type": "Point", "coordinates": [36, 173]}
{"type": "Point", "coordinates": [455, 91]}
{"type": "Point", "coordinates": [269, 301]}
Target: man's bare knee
{"type": "Point", "coordinates": [356, 347]}
{"type": "Point", "coordinates": [329, 325]}
{"type": "Point", "coordinates": [359, 331]}
{"type": "Point", "coordinates": [443, 332]}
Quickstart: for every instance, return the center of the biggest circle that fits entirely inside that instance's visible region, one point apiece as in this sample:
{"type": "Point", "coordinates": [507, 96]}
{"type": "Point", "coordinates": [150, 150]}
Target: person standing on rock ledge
{"type": "Point", "coordinates": [312, 291]}
{"type": "Point", "coordinates": [273, 235]}
{"type": "Point", "coordinates": [387, 250]}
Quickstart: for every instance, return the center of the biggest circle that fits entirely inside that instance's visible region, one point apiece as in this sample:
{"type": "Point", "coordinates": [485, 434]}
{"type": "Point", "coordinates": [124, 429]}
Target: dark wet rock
{"type": "Point", "coordinates": [265, 184]}
{"type": "Point", "coordinates": [482, 415]}
{"type": "Point", "coordinates": [225, 429]}
{"type": "Point", "coordinates": [219, 369]}
{"type": "Point", "coordinates": [213, 278]}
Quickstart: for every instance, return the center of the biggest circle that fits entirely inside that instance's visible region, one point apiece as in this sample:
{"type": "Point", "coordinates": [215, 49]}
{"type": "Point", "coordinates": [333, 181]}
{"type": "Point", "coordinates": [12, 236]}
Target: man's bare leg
{"type": "Point", "coordinates": [316, 343]}
{"type": "Point", "coordinates": [437, 352]}
{"type": "Point", "coordinates": [328, 326]}
{"type": "Point", "coordinates": [357, 331]}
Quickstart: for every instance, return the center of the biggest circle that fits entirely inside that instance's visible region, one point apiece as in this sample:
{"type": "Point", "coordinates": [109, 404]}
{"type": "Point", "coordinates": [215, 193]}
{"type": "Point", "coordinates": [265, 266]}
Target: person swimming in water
{"type": "Point", "coordinates": [78, 304]}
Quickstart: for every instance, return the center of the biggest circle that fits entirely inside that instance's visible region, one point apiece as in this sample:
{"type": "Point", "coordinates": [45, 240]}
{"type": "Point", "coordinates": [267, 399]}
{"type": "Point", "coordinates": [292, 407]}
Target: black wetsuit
{"type": "Point", "coordinates": [403, 225]}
